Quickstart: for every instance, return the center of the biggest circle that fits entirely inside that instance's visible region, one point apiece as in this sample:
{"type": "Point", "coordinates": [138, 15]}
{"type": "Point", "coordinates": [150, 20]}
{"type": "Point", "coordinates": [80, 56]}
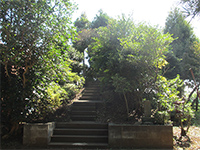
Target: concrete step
{"type": "Point", "coordinates": [81, 125]}
{"type": "Point", "coordinates": [83, 108]}
{"type": "Point", "coordinates": [82, 103]}
{"type": "Point", "coordinates": [83, 145]}
{"type": "Point", "coordinates": [94, 88]}
{"type": "Point", "coordinates": [88, 101]}
{"type": "Point", "coordinates": [83, 131]}
{"type": "Point", "coordinates": [92, 84]}
{"type": "Point", "coordinates": [79, 135]}
{"type": "Point", "coordinates": [83, 113]}
{"type": "Point", "coordinates": [91, 100]}
{"type": "Point", "coordinates": [61, 131]}
{"type": "Point", "coordinates": [90, 90]}
{"type": "Point", "coordinates": [89, 97]}
{"type": "Point", "coordinates": [91, 94]}
{"type": "Point", "coordinates": [80, 138]}
{"type": "Point", "coordinates": [83, 117]}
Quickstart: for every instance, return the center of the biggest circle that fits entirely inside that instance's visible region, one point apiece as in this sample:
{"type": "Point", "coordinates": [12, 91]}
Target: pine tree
{"type": "Point", "coordinates": [181, 57]}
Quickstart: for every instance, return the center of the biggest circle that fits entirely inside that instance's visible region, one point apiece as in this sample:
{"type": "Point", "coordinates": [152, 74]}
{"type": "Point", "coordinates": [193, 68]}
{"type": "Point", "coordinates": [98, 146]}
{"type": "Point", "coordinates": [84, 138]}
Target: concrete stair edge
{"type": "Point", "coordinates": [82, 131]}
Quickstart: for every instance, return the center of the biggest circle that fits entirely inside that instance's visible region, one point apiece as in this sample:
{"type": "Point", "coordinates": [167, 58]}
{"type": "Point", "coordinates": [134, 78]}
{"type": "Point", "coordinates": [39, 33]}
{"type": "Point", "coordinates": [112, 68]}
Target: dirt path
{"type": "Point", "coordinates": [192, 143]}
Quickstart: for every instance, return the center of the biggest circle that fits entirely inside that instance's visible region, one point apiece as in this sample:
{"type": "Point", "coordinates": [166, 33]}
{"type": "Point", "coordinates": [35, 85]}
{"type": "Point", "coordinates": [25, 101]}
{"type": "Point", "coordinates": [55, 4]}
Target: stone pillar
{"type": "Point", "coordinates": [38, 134]}
{"type": "Point", "coordinates": [147, 112]}
{"type": "Point", "coordinates": [147, 108]}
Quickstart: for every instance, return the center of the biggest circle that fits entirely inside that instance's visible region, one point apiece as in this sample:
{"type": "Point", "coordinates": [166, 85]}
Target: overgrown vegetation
{"type": "Point", "coordinates": [132, 64]}
{"type": "Point", "coordinates": [40, 71]}
{"type": "Point", "coordinates": [139, 62]}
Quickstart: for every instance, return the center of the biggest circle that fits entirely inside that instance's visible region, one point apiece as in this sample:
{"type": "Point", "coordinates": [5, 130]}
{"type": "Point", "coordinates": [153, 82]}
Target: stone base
{"type": "Point", "coordinates": [37, 134]}
{"type": "Point", "coordinates": [147, 120]}
{"type": "Point", "coordinates": [144, 136]}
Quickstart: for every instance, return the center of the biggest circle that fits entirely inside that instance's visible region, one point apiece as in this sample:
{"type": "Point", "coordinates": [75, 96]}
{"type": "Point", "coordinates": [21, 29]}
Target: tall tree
{"type": "Point", "coordinates": [101, 20]}
{"type": "Point", "coordinates": [82, 22]}
{"type": "Point", "coordinates": [82, 25]}
{"type": "Point", "coordinates": [129, 57]}
{"type": "Point", "coordinates": [34, 53]}
{"type": "Point", "coordinates": [192, 7]}
{"type": "Point", "coordinates": [181, 57]}
{"type": "Point", "coordinates": [87, 30]}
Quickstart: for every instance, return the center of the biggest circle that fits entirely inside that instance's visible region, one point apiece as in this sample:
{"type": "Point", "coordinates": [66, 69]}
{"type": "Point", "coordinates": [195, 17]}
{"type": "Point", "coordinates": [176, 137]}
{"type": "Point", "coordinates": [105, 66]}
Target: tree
{"type": "Point", "coordinates": [129, 57]}
{"type": "Point", "coordinates": [82, 22]}
{"type": "Point", "coordinates": [35, 57]}
{"type": "Point", "coordinates": [192, 7]}
{"type": "Point", "coordinates": [87, 30]}
{"type": "Point", "coordinates": [172, 107]}
{"type": "Point", "coordinates": [196, 47]}
{"type": "Point", "coordinates": [101, 20]}
{"type": "Point", "coordinates": [181, 57]}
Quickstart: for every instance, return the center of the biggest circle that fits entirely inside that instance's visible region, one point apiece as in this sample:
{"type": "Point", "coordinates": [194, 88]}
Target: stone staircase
{"type": "Point", "coordinates": [80, 135]}
{"type": "Point", "coordinates": [82, 131]}
{"type": "Point", "coordinates": [84, 109]}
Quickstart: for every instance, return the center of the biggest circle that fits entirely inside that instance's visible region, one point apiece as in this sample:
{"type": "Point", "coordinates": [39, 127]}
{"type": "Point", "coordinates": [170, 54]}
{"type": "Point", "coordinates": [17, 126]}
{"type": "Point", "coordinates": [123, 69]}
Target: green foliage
{"type": "Point", "coordinates": [39, 69]}
{"type": "Point", "coordinates": [196, 55]}
{"type": "Point", "coordinates": [121, 84]}
{"type": "Point", "coordinates": [55, 96]}
{"type": "Point", "coordinates": [83, 39]}
{"type": "Point", "coordinates": [82, 22]}
{"type": "Point", "coordinates": [191, 7]}
{"type": "Point", "coordinates": [196, 120]}
{"type": "Point", "coordinates": [87, 30]}
{"type": "Point", "coordinates": [82, 25]}
{"type": "Point", "coordinates": [181, 57]}
{"type": "Point", "coordinates": [56, 93]}
{"type": "Point", "coordinates": [129, 56]}
{"type": "Point", "coordinates": [170, 105]}
{"type": "Point", "coordinates": [101, 20]}
{"type": "Point", "coordinates": [196, 47]}
{"type": "Point", "coordinates": [168, 93]}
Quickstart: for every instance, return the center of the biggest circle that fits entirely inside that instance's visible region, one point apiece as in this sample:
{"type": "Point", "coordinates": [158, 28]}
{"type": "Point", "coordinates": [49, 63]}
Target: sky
{"type": "Point", "coordinates": [153, 12]}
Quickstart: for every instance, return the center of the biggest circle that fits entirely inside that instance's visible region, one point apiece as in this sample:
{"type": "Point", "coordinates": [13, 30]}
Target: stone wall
{"type": "Point", "coordinates": [120, 136]}
{"type": "Point", "coordinates": [130, 136]}
{"type": "Point", "coordinates": [38, 134]}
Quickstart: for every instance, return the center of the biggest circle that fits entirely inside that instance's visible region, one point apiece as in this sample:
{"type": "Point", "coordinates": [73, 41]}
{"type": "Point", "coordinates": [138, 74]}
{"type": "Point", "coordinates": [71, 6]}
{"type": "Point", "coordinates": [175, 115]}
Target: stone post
{"type": "Point", "coordinates": [147, 108]}
{"type": "Point", "coordinates": [147, 112]}
{"type": "Point", "coordinates": [38, 134]}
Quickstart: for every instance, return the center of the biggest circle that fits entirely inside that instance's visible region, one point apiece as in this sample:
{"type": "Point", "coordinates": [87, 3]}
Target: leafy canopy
{"type": "Point", "coordinates": [191, 7]}
{"type": "Point", "coordinates": [181, 56]}
{"type": "Point", "coordinates": [37, 61]}
{"type": "Point", "coordinates": [129, 56]}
